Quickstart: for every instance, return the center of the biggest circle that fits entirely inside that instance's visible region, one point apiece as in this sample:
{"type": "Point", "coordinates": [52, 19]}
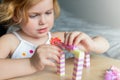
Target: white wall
{"type": "Point", "coordinates": [104, 12]}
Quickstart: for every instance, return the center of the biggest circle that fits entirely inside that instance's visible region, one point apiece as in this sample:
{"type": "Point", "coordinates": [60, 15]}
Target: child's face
{"type": "Point", "coordinates": [40, 19]}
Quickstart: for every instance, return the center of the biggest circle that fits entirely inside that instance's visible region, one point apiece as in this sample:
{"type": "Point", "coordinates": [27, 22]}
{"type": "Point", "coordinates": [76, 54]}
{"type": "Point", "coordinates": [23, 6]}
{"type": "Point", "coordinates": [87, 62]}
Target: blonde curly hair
{"type": "Point", "coordinates": [19, 8]}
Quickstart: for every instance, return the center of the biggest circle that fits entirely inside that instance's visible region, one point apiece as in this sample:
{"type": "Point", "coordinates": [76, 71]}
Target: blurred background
{"type": "Point", "coordinates": [103, 12]}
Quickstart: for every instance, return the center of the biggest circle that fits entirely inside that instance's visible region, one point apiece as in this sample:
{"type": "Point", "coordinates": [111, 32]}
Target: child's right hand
{"type": "Point", "coordinates": [45, 55]}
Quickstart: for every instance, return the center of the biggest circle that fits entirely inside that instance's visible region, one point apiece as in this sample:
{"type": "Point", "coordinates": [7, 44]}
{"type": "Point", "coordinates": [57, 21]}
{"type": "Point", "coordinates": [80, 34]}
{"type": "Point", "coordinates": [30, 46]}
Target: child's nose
{"type": "Point", "coordinates": [42, 20]}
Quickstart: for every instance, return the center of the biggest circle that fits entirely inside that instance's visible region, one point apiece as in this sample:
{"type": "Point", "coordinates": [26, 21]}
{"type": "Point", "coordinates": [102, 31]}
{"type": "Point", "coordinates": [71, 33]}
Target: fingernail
{"type": "Point", "coordinates": [59, 51]}
{"type": "Point", "coordinates": [62, 52]}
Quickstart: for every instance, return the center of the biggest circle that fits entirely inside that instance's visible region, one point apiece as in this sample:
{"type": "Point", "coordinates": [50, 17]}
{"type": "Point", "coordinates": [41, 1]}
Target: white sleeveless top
{"type": "Point", "coordinates": [26, 49]}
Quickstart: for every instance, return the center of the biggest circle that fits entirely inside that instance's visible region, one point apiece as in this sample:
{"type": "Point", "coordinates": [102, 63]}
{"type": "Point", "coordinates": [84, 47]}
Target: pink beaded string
{"type": "Point", "coordinates": [112, 74]}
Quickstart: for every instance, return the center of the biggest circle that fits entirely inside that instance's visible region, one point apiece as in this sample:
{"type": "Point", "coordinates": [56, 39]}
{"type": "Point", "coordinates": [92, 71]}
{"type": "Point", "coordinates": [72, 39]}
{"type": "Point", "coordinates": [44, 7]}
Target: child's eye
{"type": "Point", "coordinates": [49, 12]}
{"type": "Point", "coordinates": [33, 15]}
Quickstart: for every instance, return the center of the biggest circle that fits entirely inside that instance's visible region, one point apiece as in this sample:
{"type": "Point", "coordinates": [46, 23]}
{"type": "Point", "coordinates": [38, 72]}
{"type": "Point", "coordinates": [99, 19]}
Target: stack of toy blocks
{"type": "Point", "coordinates": [81, 59]}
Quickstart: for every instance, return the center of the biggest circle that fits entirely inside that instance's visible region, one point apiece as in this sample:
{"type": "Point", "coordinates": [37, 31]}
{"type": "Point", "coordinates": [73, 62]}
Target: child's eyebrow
{"type": "Point", "coordinates": [50, 9]}
{"type": "Point", "coordinates": [34, 12]}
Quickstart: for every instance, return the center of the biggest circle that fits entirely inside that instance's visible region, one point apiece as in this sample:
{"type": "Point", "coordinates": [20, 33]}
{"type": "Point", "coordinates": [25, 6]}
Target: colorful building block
{"type": "Point", "coordinates": [61, 66]}
{"type": "Point", "coordinates": [87, 60]}
{"type": "Point", "coordinates": [78, 64]}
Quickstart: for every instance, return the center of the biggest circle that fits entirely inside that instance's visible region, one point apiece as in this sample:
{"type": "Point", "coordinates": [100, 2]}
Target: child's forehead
{"type": "Point", "coordinates": [42, 5]}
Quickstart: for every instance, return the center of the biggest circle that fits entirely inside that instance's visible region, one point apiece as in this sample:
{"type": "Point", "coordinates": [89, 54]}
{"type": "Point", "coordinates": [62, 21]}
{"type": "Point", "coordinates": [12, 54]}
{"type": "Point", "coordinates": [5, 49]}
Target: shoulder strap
{"type": "Point", "coordinates": [49, 38]}
{"type": "Point", "coordinates": [47, 42]}
{"type": "Point", "coordinates": [17, 35]}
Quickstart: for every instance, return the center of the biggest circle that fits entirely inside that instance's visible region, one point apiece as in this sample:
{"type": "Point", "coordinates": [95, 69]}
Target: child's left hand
{"type": "Point", "coordinates": [80, 39]}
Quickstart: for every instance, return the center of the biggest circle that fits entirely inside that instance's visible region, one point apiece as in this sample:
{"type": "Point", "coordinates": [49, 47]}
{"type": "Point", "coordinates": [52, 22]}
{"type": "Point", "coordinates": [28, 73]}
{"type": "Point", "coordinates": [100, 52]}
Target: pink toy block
{"type": "Point", "coordinates": [61, 66]}
{"type": "Point", "coordinates": [78, 64]}
{"type": "Point", "coordinates": [87, 60]}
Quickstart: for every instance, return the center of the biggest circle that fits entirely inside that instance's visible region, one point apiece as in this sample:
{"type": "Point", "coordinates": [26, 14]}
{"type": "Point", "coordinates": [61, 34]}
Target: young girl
{"type": "Point", "coordinates": [28, 49]}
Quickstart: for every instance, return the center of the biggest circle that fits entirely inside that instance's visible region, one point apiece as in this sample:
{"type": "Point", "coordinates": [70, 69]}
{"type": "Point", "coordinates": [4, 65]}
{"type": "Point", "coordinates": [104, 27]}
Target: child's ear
{"type": "Point", "coordinates": [16, 20]}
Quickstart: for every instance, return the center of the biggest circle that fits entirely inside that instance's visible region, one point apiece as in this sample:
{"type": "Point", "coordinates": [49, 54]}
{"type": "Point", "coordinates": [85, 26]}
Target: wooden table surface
{"type": "Point", "coordinates": [99, 64]}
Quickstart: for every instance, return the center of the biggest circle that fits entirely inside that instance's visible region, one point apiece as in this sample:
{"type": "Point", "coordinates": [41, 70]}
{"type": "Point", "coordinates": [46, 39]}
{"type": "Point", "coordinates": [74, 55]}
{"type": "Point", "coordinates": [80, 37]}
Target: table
{"type": "Point", "coordinates": [99, 64]}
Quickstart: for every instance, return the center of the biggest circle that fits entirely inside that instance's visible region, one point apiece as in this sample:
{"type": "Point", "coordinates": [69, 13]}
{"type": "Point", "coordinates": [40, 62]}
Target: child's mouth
{"type": "Point", "coordinates": [42, 30]}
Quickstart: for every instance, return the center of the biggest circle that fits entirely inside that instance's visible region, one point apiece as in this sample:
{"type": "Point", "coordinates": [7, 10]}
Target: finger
{"type": "Point", "coordinates": [56, 58]}
{"type": "Point", "coordinates": [56, 48]}
{"type": "Point", "coordinates": [73, 37]}
{"type": "Point", "coordinates": [49, 62]}
{"type": "Point", "coordinates": [56, 52]}
{"type": "Point", "coordinates": [66, 38]}
{"type": "Point", "coordinates": [53, 50]}
{"type": "Point", "coordinates": [54, 55]}
{"type": "Point", "coordinates": [81, 47]}
{"type": "Point", "coordinates": [51, 47]}
{"type": "Point", "coordinates": [78, 39]}
{"type": "Point", "coordinates": [87, 45]}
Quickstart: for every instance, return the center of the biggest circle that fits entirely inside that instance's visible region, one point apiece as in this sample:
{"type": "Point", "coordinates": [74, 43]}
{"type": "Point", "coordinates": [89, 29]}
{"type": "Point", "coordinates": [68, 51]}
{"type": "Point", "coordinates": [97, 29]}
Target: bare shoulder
{"type": "Point", "coordinates": [8, 43]}
{"type": "Point", "coordinates": [7, 38]}
{"type": "Point", "coordinates": [59, 35]}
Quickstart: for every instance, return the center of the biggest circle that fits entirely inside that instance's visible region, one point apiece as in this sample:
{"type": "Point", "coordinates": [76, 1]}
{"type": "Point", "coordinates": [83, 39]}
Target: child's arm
{"type": "Point", "coordinates": [101, 44]}
{"type": "Point", "coordinates": [10, 68]}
